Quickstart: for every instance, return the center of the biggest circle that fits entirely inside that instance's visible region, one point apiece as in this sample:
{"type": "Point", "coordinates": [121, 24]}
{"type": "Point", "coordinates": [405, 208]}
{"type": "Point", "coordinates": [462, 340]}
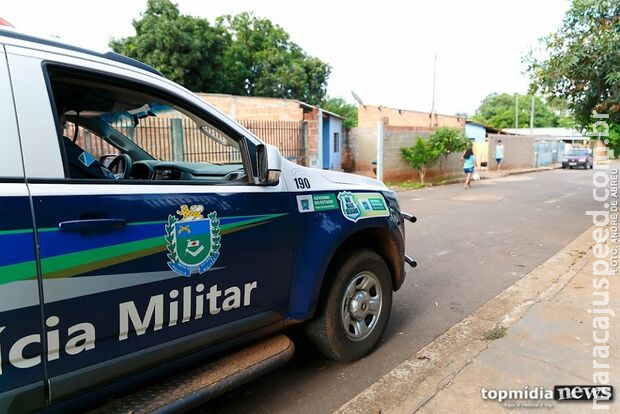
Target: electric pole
{"type": "Point", "coordinates": [532, 117]}
{"type": "Point", "coordinates": [516, 113]}
{"type": "Point", "coordinates": [434, 79]}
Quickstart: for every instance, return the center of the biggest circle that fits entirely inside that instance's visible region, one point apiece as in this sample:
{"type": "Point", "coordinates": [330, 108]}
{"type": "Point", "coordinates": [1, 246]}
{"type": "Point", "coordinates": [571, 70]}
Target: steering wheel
{"type": "Point", "coordinates": [122, 163]}
{"type": "Point", "coordinates": [235, 175]}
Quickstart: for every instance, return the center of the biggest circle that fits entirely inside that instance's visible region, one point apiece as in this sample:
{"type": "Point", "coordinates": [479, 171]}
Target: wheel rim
{"type": "Point", "coordinates": [361, 306]}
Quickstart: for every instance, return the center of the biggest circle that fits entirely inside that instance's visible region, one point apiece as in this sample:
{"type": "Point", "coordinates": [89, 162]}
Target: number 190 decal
{"type": "Point", "coordinates": [302, 183]}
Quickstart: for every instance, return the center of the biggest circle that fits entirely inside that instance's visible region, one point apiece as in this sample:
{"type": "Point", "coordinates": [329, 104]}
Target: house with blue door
{"type": "Point", "coordinates": [330, 140]}
{"type": "Point", "coordinates": [305, 134]}
{"type": "Point", "coordinates": [475, 131]}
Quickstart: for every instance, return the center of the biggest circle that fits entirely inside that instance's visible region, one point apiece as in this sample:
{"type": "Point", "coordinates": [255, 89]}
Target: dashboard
{"type": "Point", "coordinates": [195, 171]}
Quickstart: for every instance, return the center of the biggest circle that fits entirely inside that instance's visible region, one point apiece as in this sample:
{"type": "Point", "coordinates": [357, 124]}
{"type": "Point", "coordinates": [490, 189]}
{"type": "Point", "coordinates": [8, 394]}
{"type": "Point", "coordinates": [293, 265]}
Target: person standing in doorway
{"type": "Point", "coordinates": [499, 154]}
{"type": "Point", "coordinates": [469, 163]}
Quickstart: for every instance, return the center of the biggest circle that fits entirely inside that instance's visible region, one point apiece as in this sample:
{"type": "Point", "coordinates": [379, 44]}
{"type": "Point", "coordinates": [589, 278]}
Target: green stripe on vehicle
{"type": "Point", "coordinates": [76, 263]}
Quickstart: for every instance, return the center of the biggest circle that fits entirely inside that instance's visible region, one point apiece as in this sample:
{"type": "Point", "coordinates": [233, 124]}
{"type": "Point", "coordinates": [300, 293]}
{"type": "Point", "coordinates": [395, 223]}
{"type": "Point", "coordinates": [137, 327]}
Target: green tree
{"type": "Point", "coordinates": [186, 49]}
{"type": "Point", "coordinates": [447, 140]}
{"type": "Point", "coordinates": [582, 61]}
{"type": "Point", "coordinates": [263, 61]}
{"type": "Point", "coordinates": [343, 108]}
{"type": "Point", "coordinates": [239, 55]}
{"type": "Point", "coordinates": [498, 110]}
{"type": "Point", "coordinates": [420, 156]}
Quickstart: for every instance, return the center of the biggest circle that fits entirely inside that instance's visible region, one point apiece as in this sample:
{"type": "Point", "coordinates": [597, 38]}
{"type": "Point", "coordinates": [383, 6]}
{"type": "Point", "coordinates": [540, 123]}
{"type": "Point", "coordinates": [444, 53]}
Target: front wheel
{"type": "Point", "coordinates": [355, 309]}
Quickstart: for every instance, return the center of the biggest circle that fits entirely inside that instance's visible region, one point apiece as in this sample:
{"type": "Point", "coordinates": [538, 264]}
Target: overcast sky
{"type": "Point", "coordinates": [383, 50]}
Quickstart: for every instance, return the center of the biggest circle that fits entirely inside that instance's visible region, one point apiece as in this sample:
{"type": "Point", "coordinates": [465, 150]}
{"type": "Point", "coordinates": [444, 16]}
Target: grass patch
{"type": "Point", "coordinates": [416, 185]}
{"type": "Point", "coordinates": [495, 333]}
{"type": "Point", "coordinates": [406, 185]}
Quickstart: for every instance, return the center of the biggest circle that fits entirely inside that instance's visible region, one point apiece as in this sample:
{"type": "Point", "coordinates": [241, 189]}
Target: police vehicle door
{"type": "Point", "coordinates": [21, 369]}
{"type": "Point", "coordinates": [138, 271]}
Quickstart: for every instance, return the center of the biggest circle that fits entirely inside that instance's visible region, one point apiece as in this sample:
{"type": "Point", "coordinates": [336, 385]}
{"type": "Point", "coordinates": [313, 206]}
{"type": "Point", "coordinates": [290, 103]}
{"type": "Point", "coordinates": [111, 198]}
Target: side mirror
{"type": "Point", "coordinates": [269, 164]}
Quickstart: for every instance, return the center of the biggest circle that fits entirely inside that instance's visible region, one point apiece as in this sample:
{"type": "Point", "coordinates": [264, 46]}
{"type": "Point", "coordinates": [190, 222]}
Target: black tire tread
{"type": "Point", "coordinates": [325, 330]}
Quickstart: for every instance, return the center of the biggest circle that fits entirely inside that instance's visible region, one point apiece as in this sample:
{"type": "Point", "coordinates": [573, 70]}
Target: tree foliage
{"type": "Point", "coordinates": [239, 55]}
{"type": "Point", "coordinates": [582, 63]}
{"type": "Point", "coordinates": [185, 49]}
{"type": "Point", "coordinates": [447, 140]}
{"type": "Point", "coordinates": [424, 153]}
{"type": "Point", "coordinates": [343, 108]}
{"type": "Point", "coordinates": [263, 61]}
{"type": "Point", "coordinates": [421, 156]}
{"type": "Point", "coordinates": [498, 111]}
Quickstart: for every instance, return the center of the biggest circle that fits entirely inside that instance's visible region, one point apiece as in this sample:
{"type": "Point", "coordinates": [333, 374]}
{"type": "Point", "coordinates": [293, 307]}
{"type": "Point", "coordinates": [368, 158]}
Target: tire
{"type": "Point", "coordinates": [360, 280]}
{"type": "Point", "coordinates": [586, 166]}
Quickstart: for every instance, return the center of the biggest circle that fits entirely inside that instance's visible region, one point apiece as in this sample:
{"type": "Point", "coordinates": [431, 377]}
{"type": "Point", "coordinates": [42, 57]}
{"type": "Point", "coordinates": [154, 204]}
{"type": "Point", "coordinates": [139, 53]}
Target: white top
{"type": "Point", "coordinates": [499, 151]}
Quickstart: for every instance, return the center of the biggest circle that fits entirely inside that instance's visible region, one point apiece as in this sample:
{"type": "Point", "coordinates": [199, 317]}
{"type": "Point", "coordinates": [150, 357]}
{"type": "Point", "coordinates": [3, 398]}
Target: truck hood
{"type": "Point", "coordinates": [352, 179]}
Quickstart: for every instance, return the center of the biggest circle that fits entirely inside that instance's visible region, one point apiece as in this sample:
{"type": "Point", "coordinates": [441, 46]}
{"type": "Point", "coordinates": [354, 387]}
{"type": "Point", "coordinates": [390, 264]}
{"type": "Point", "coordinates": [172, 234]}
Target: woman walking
{"type": "Point", "coordinates": [469, 163]}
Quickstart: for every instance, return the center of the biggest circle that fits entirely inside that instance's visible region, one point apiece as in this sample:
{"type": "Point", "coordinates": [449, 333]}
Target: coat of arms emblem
{"type": "Point", "coordinates": [348, 206]}
{"type": "Point", "coordinates": [192, 241]}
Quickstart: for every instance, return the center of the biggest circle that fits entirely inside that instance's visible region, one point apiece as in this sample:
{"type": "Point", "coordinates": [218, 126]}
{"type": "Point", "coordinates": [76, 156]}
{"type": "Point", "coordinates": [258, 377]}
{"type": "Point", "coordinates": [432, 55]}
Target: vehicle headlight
{"type": "Point", "coordinates": [582, 160]}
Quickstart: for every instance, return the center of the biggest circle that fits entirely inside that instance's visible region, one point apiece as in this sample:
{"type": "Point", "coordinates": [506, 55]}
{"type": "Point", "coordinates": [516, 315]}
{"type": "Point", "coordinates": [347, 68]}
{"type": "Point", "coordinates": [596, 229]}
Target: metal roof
{"type": "Point", "coordinates": [564, 133]}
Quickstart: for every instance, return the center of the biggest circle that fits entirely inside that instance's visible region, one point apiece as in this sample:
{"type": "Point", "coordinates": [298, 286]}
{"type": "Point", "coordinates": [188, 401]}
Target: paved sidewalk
{"type": "Point", "coordinates": [487, 175]}
{"type": "Point", "coordinates": [551, 345]}
{"type": "Point", "coordinates": [504, 173]}
{"type": "Point", "coordinates": [548, 342]}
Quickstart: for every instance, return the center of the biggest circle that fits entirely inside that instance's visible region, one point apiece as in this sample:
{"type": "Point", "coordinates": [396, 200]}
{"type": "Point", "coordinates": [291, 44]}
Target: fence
{"type": "Point", "coordinates": [548, 153]}
{"type": "Point", "coordinates": [180, 140]}
{"type": "Point", "coordinates": [520, 152]}
{"type": "Point", "coordinates": [286, 135]}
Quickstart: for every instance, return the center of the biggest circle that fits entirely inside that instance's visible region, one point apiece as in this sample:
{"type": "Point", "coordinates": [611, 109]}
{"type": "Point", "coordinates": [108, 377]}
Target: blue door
{"type": "Point", "coordinates": [336, 144]}
{"type": "Point", "coordinates": [128, 270]}
{"type": "Point", "coordinates": [326, 147]}
{"type": "Point", "coordinates": [22, 355]}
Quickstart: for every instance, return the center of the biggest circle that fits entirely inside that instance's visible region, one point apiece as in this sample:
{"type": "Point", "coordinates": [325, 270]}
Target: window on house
{"type": "Point", "coordinates": [336, 141]}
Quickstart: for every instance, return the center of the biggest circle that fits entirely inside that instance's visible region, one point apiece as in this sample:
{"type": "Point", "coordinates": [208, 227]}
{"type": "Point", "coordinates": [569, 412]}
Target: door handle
{"type": "Point", "coordinates": [92, 224]}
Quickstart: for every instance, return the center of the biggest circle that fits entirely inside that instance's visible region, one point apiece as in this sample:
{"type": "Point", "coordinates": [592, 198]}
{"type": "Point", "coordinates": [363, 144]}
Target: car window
{"type": "Point", "coordinates": [89, 141]}
{"type": "Point", "coordinates": [138, 135]}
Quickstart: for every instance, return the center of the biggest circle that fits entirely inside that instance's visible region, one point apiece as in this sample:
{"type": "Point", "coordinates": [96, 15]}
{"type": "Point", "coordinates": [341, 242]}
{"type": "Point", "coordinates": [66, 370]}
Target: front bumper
{"type": "Point", "coordinates": [573, 163]}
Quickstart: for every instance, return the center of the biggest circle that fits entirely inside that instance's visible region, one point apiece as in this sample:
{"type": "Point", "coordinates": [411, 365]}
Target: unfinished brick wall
{"type": "Point", "coordinates": [519, 151]}
{"type": "Point", "coordinates": [255, 108]}
{"type": "Point", "coordinates": [368, 116]}
{"type": "Point", "coordinates": [312, 138]}
{"type": "Point", "coordinates": [252, 108]}
{"type": "Point", "coordinates": [363, 144]}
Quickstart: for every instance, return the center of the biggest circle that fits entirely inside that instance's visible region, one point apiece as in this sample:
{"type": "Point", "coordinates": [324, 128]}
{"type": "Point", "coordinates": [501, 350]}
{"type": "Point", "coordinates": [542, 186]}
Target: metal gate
{"type": "Point", "coordinates": [288, 136]}
{"type": "Point", "coordinates": [548, 153]}
{"type": "Point", "coordinates": [157, 136]}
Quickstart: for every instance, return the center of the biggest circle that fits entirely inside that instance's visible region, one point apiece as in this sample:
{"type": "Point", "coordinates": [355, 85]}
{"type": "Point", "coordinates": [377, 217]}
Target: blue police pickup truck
{"type": "Point", "coordinates": [140, 272]}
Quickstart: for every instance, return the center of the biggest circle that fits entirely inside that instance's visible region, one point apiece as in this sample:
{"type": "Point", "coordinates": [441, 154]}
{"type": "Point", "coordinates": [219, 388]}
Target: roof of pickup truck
{"type": "Point", "coordinates": [16, 34]}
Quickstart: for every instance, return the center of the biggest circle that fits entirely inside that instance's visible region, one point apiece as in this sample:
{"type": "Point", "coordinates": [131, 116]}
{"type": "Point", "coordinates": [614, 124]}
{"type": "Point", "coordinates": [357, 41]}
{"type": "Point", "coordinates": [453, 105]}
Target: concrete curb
{"type": "Point", "coordinates": [415, 382]}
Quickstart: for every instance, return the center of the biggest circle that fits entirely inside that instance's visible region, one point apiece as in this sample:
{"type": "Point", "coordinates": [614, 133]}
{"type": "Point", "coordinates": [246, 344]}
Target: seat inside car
{"type": "Point", "coordinates": [82, 164]}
